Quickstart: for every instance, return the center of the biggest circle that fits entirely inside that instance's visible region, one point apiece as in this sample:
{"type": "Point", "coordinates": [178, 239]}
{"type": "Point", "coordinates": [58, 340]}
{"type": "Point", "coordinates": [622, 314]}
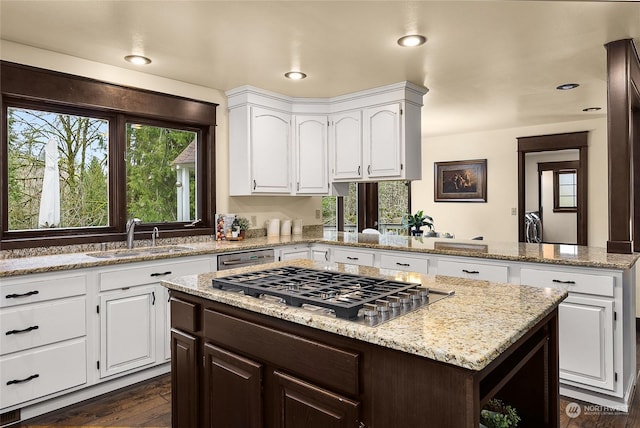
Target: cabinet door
{"type": "Point", "coordinates": [166, 324]}
{"type": "Point", "coordinates": [184, 380]}
{"type": "Point", "coordinates": [301, 404]}
{"type": "Point", "coordinates": [383, 137]}
{"type": "Point", "coordinates": [586, 341]}
{"type": "Point", "coordinates": [233, 394]}
{"type": "Point", "coordinates": [346, 144]}
{"type": "Point", "coordinates": [270, 155]}
{"type": "Point", "coordinates": [127, 329]}
{"type": "Point", "coordinates": [311, 154]}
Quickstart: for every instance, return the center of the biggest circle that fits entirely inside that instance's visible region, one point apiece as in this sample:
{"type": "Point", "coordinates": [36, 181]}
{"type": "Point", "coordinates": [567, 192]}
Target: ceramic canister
{"type": "Point", "coordinates": [273, 227]}
{"type": "Point", "coordinates": [285, 229]}
{"type": "Point", "coordinates": [297, 226]}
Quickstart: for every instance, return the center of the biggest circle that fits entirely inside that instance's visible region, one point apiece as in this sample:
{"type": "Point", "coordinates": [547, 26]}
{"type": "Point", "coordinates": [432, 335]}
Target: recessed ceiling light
{"type": "Point", "coordinates": [412, 40]}
{"type": "Point", "coordinates": [588, 109]}
{"type": "Point", "coordinates": [567, 86]}
{"type": "Point", "coordinates": [295, 75]}
{"type": "Point", "coordinates": [137, 59]}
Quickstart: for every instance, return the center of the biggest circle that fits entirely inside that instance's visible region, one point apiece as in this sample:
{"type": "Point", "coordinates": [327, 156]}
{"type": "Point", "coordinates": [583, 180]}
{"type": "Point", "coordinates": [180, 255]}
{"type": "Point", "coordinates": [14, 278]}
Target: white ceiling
{"type": "Point", "coordinates": [488, 64]}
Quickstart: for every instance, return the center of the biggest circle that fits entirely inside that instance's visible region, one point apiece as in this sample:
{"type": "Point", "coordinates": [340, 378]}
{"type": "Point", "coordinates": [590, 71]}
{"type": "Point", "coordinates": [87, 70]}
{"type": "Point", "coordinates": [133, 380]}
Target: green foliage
{"type": "Point", "coordinates": [417, 220]}
{"type": "Point", "coordinates": [497, 415]}
{"type": "Point", "coordinates": [244, 223]}
{"type": "Point", "coordinates": [151, 191]}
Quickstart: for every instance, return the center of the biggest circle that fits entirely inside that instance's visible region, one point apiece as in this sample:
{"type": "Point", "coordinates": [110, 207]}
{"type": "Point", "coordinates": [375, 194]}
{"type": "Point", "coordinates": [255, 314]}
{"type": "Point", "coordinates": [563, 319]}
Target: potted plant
{"type": "Point", "coordinates": [244, 226]}
{"type": "Point", "coordinates": [498, 415]}
{"type": "Point", "coordinates": [415, 222]}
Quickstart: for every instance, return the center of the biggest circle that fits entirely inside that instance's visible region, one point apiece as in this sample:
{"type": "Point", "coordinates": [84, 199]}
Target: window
{"type": "Point", "coordinates": [379, 205]}
{"type": "Point", "coordinates": [57, 170]}
{"type": "Point", "coordinates": [80, 157]}
{"type": "Point", "coordinates": [161, 173]}
{"type": "Point", "coordinates": [565, 191]}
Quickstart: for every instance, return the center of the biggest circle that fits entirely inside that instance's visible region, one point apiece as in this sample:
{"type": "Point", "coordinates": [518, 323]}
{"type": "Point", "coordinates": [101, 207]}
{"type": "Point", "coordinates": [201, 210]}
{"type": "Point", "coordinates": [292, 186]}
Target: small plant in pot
{"type": "Point", "coordinates": [496, 414]}
{"type": "Point", "coordinates": [244, 225]}
{"type": "Point", "coordinates": [415, 222]}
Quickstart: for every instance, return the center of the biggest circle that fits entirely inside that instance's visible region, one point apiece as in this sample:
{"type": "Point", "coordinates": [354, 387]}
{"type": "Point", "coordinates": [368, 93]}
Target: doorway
{"type": "Point", "coordinates": [554, 149]}
{"type": "Point", "coordinates": [557, 200]}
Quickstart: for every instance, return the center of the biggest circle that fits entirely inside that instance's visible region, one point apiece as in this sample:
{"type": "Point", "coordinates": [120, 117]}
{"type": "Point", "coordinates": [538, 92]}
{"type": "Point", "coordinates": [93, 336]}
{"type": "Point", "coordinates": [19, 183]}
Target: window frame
{"type": "Point", "coordinates": [30, 87]}
{"type": "Point", "coordinates": [557, 208]}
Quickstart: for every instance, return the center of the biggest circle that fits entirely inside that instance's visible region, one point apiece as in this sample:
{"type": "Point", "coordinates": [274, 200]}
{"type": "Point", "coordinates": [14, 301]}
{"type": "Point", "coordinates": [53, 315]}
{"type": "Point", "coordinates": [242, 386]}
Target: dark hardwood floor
{"type": "Point", "coordinates": [148, 404]}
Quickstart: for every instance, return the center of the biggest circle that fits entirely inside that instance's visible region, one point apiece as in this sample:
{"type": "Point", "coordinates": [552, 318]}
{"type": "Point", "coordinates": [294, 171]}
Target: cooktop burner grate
{"type": "Point", "coordinates": [343, 293]}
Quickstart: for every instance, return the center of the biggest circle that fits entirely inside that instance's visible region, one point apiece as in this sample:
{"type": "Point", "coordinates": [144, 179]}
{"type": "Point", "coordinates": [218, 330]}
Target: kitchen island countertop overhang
{"type": "Point", "coordinates": [469, 329]}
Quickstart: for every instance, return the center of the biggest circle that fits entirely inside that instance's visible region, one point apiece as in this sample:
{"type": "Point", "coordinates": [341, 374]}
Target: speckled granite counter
{"type": "Point", "coordinates": [572, 255]}
{"type": "Point", "coordinates": [469, 329]}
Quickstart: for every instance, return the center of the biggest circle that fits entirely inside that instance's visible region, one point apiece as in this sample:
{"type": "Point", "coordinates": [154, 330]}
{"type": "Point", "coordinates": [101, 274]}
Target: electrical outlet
{"type": "Point", "coordinates": [318, 214]}
{"type": "Point", "coordinates": [514, 211]}
{"type": "Point", "coordinates": [253, 220]}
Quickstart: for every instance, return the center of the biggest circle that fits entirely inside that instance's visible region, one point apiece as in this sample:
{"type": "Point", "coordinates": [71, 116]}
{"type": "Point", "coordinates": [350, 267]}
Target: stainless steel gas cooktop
{"type": "Point", "coordinates": [363, 299]}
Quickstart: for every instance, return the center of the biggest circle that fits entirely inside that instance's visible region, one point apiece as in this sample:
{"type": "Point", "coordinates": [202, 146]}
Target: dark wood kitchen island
{"type": "Point", "coordinates": [240, 361]}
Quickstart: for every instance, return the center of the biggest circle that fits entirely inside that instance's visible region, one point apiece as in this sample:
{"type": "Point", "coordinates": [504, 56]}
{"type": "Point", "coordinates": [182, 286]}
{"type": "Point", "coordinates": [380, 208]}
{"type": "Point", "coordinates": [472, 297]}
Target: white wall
{"type": "Point", "coordinates": [493, 219]}
{"type": "Point", "coordinates": [261, 207]}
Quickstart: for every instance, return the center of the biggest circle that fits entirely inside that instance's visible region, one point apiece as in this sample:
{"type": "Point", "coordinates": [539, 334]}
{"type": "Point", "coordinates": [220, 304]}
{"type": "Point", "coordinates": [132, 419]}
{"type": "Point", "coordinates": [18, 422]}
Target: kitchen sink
{"type": "Point", "coordinates": [139, 252]}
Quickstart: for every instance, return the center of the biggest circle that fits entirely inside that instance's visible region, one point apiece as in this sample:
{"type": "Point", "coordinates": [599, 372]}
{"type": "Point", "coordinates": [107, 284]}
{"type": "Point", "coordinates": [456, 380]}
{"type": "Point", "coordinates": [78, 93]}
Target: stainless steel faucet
{"type": "Point", "coordinates": [155, 233]}
{"type": "Point", "coordinates": [131, 226]}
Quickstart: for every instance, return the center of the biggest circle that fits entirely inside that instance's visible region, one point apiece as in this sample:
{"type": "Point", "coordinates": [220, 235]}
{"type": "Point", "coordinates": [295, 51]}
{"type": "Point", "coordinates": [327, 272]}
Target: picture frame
{"type": "Point", "coordinates": [460, 181]}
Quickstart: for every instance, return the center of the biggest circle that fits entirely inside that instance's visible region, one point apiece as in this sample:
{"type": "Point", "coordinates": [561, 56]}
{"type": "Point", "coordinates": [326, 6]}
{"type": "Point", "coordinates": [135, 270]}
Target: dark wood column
{"type": "Point", "coordinates": [622, 67]}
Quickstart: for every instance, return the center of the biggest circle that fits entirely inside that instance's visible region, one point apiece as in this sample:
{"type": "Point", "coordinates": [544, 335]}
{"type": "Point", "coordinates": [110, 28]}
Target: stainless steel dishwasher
{"type": "Point", "coordinates": [245, 258]}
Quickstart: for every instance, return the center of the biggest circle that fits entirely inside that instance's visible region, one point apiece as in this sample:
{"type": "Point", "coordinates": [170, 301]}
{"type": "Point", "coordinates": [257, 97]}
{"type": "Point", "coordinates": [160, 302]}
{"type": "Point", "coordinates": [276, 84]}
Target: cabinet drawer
{"type": "Point", "coordinates": [401, 262]}
{"type": "Point", "coordinates": [575, 282]}
{"type": "Point", "coordinates": [339, 368]}
{"type": "Point", "coordinates": [32, 374]}
{"type": "Point", "coordinates": [340, 255]}
{"type": "Point", "coordinates": [481, 271]}
{"type": "Point", "coordinates": [28, 326]}
{"type": "Point", "coordinates": [40, 288]}
{"type": "Point", "coordinates": [184, 315]}
{"type": "Point", "coordinates": [150, 273]}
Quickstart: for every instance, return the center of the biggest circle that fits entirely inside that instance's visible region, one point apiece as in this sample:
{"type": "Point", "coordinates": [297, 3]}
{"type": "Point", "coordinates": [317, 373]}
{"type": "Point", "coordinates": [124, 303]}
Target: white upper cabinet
{"type": "Point", "coordinates": [311, 132]}
{"type": "Point", "coordinates": [269, 152]}
{"type": "Point", "coordinates": [383, 135]}
{"type": "Point", "coordinates": [300, 146]}
{"type": "Point", "coordinates": [346, 142]}
{"type": "Point", "coordinates": [376, 134]}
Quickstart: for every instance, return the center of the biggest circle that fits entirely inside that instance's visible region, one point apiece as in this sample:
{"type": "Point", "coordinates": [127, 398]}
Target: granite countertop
{"type": "Point", "coordinates": [469, 329]}
{"type": "Point", "coordinates": [22, 262]}
{"type": "Point", "coordinates": [573, 255]}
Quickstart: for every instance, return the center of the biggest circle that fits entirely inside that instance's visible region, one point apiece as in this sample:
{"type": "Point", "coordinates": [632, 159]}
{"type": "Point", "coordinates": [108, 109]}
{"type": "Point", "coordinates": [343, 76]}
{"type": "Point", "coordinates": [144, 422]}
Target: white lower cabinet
{"type": "Point", "coordinates": [596, 330]}
{"type": "Point", "coordinates": [319, 253]}
{"type": "Point", "coordinates": [43, 342]}
{"type": "Point", "coordinates": [134, 314]}
{"type": "Point", "coordinates": [32, 374]}
{"type": "Point", "coordinates": [128, 328]}
{"type": "Point", "coordinates": [351, 256]}
{"type": "Point", "coordinates": [293, 252]}
{"type": "Point", "coordinates": [473, 270]}
{"type": "Point", "coordinates": [403, 262]}
{"type": "Point", "coordinates": [586, 341]}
